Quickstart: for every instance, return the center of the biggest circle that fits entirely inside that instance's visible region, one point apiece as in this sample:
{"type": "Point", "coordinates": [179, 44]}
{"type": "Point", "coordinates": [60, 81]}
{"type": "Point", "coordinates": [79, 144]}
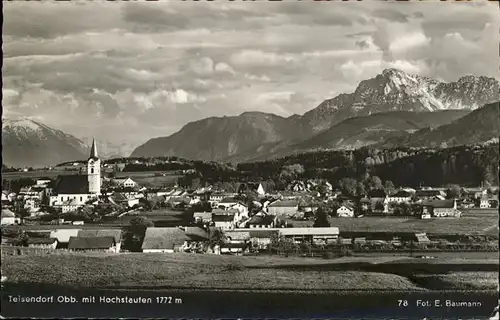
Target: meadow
{"type": "Point", "coordinates": [466, 224]}
{"type": "Point", "coordinates": [102, 270]}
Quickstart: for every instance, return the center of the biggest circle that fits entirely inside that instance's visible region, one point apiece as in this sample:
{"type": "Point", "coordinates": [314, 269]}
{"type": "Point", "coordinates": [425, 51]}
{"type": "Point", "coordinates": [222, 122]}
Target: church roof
{"type": "Point", "coordinates": [93, 151]}
{"type": "Point", "coordinates": [72, 184]}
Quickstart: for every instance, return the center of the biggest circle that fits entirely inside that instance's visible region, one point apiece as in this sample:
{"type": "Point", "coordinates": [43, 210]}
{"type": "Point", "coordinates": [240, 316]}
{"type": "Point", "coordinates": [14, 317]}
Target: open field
{"type": "Point", "coordinates": [459, 280]}
{"type": "Point", "coordinates": [101, 270]}
{"type": "Point", "coordinates": [36, 174]}
{"type": "Point", "coordinates": [160, 271]}
{"type": "Point", "coordinates": [463, 225]}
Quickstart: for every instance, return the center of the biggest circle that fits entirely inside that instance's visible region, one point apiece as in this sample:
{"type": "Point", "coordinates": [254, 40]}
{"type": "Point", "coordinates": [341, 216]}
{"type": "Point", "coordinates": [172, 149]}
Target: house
{"type": "Point", "coordinates": [43, 182]}
{"type": "Point", "coordinates": [311, 235]}
{"type": "Point", "coordinates": [345, 211]}
{"type": "Point", "coordinates": [224, 221]}
{"type": "Point", "coordinates": [400, 197]}
{"type": "Point", "coordinates": [484, 202]}
{"type": "Point", "coordinates": [252, 187]}
{"type": "Point", "coordinates": [297, 186]}
{"type": "Point", "coordinates": [5, 198]}
{"type": "Point", "coordinates": [42, 242]}
{"type": "Point", "coordinates": [215, 198]}
{"type": "Point", "coordinates": [106, 244]}
{"type": "Point", "coordinates": [124, 182]}
{"type": "Point", "coordinates": [283, 207]}
{"type": "Point", "coordinates": [261, 238]}
{"type": "Point", "coordinates": [238, 247]}
{"type": "Point", "coordinates": [241, 208]}
{"type": "Point", "coordinates": [165, 240]}
{"type": "Point", "coordinates": [63, 236]}
{"type": "Point", "coordinates": [227, 202]}
{"type": "Point", "coordinates": [430, 194]}
{"type": "Point", "coordinates": [70, 205]}
{"type": "Point", "coordinates": [203, 217]}
{"type": "Point", "coordinates": [440, 208]}
{"type": "Point", "coordinates": [115, 233]}
{"type": "Point", "coordinates": [262, 221]}
{"type": "Point", "coordinates": [377, 198]}
{"type": "Point", "coordinates": [8, 217]}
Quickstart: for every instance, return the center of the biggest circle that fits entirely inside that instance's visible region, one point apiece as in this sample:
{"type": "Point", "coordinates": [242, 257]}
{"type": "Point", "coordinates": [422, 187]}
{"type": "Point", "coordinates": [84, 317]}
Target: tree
{"type": "Point", "coordinates": [360, 189]}
{"type": "Point", "coordinates": [321, 218]}
{"type": "Point", "coordinates": [389, 187]}
{"type": "Point", "coordinates": [374, 183]}
{"type": "Point", "coordinates": [348, 186]}
{"type": "Point", "coordinates": [379, 206]}
{"type": "Point", "coordinates": [135, 232]}
{"type": "Point", "coordinates": [454, 191]}
{"type": "Point", "coordinates": [291, 172]}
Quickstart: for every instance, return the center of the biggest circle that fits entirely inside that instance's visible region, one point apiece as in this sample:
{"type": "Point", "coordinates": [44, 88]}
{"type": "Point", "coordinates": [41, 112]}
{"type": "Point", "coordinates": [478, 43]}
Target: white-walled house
{"type": "Point", "coordinates": [400, 197]}
{"type": "Point", "coordinates": [345, 211]}
{"type": "Point", "coordinates": [8, 217]}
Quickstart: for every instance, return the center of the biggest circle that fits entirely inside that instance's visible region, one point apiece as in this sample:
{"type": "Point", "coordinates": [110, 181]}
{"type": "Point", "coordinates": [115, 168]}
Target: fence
{"type": "Point", "coordinates": [30, 251]}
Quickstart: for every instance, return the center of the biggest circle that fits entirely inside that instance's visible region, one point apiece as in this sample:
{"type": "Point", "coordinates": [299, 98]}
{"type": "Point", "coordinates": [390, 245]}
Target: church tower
{"type": "Point", "coordinates": [94, 170]}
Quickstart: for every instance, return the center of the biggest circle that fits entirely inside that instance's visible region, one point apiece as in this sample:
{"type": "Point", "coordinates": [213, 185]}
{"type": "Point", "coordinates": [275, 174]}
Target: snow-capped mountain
{"type": "Point", "coordinates": [391, 91]}
{"type": "Point", "coordinates": [26, 142]}
{"type": "Point", "coordinates": [395, 90]}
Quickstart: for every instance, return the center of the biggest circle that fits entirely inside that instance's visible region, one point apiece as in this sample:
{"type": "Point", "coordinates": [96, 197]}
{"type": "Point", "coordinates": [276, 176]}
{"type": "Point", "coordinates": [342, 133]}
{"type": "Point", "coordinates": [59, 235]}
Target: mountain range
{"type": "Point", "coordinates": [391, 109]}
{"type": "Point", "coordinates": [26, 143]}
{"type": "Point", "coordinates": [391, 104]}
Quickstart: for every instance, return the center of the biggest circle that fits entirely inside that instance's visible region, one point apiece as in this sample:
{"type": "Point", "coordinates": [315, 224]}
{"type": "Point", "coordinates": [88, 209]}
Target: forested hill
{"type": "Point", "coordinates": [464, 165]}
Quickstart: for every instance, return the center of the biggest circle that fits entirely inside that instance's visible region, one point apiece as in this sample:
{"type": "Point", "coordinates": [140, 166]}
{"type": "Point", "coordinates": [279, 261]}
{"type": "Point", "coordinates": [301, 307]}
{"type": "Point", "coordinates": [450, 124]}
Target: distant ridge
{"type": "Point", "coordinates": [241, 137]}
{"type": "Point", "coordinates": [28, 143]}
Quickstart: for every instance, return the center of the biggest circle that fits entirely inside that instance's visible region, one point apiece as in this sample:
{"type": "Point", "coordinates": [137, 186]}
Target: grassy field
{"type": "Point", "coordinates": [201, 272]}
{"type": "Point", "coordinates": [465, 224]}
{"type": "Point", "coordinates": [459, 280]}
{"type": "Point", "coordinates": [214, 272]}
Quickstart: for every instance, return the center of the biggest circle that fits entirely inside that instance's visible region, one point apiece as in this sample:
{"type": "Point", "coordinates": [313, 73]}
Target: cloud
{"type": "Point", "coordinates": [138, 70]}
{"type": "Point", "coordinates": [392, 15]}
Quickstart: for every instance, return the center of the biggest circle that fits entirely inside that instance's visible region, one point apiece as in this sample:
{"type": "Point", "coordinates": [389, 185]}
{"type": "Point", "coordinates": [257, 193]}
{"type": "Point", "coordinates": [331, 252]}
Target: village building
{"type": "Point", "coordinates": [106, 244]}
{"type": "Point", "coordinates": [400, 197]}
{"type": "Point", "coordinates": [227, 203]}
{"type": "Point", "coordinates": [42, 242]}
{"type": "Point", "coordinates": [115, 233]}
{"type": "Point", "coordinates": [225, 221]}
{"type": "Point", "coordinates": [124, 182]}
{"type": "Point", "coordinates": [440, 208]}
{"type": "Point", "coordinates": [8, 217]}
{"type": "Point", "coordinates": [430, 194]}
{"type": "Point", "coordinates": [75, 190]}
{"type": "Point", "coordinates": [237, 248]}
{"type": "Point", "coordinates": [345, 211]}
{"type": "Point", "coordinates": [484, 202]}
{"type": "Point", "coordinates": [63, 236]}
{"type": "Point", "coordinates": [262, 221]}
{"type": "Point", "coordinates": [169, 240]}
{"type": "Point", "coordinates": [378, 197]}
{"type": "Point", "coordinates": [203, 217]}
{"type": "Point", "coordinates": [311, 235]}
{"type": "Point", "coordinates": [283, 207]}
{"type": "Point", "coordinates": [254, 188]}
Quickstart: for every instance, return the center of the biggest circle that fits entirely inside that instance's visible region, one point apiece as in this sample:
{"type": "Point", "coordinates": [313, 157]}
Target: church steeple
{"type": "Point", "coordinates": [93, 150]}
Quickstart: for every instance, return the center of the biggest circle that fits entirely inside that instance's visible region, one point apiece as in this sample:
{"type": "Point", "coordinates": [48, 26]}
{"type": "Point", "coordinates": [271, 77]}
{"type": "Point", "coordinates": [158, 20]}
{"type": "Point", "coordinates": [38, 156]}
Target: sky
{"type": "Point", "coordinates": [130, 71]}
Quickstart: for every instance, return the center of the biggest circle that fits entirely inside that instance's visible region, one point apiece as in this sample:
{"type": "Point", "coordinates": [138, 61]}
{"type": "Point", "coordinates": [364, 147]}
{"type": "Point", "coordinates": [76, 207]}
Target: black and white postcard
{"type": "Point", "coordinates": [250, 159]}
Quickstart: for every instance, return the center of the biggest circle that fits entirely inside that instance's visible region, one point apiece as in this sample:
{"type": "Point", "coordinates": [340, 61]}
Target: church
{"type": "Point", "coordinates": [73, 191]}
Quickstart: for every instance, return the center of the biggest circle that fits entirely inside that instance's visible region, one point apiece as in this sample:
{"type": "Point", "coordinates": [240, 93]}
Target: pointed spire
{"type": "Point", "coordinates": [93, 150]}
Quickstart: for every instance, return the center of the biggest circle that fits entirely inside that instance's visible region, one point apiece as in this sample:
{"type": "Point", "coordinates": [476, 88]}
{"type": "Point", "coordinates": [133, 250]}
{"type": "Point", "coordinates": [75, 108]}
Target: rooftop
{"type": "Point", "coordinates": [72, 184]}
{"type": "Point", "coordinates": [284, 203]}
{"type": "Point", "coordinates": [91, 242]}
{"type": "Point", "coordinates": [164, 238]}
